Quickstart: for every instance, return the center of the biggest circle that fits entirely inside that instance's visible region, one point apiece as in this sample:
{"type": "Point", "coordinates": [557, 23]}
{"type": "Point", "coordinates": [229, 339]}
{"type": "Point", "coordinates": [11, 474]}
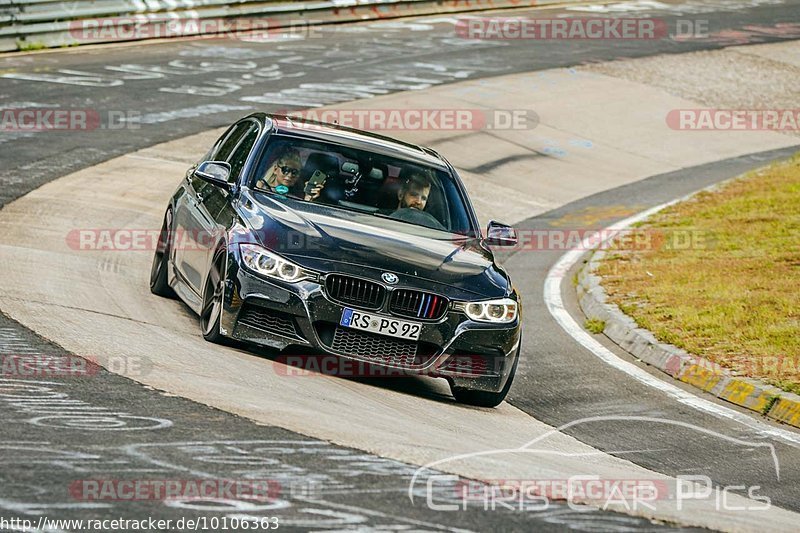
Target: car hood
{"type": "Point", "coordinates": [327, 239]}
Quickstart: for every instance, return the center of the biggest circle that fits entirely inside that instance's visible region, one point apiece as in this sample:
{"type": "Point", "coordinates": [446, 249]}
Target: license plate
{"type": "Point", "coordinates": [381, 325]}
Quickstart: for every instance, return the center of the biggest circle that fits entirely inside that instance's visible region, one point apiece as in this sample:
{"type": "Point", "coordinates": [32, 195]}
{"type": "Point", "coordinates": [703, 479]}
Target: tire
{"type": "Point", "coordinates": [213, 296]}
{"type": "Point", "coordinates": [159, 280]}
{"type": "Point", "coordinates": [480, 398]}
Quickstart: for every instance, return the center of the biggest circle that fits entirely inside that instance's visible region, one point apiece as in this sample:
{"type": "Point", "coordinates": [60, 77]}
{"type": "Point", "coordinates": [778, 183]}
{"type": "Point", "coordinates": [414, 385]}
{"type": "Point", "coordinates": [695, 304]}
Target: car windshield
{"type": "Point", "coordinates": [357, 180]}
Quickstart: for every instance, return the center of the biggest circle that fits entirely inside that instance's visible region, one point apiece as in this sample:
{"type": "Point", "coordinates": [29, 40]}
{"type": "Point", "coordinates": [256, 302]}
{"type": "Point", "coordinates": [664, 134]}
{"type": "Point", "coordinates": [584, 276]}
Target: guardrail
{"type": "Point", "coordinates": [34, 24]}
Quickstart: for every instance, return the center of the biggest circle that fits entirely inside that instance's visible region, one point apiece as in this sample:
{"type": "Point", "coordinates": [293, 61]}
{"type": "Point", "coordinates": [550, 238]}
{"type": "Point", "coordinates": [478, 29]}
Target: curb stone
{"type": "Point", "coordinates": [691, 369]}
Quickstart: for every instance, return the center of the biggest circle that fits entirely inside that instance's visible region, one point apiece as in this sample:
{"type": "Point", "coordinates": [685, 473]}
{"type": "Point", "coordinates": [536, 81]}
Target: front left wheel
{"type": "Point", "coordinates": [213, 295]}
{"type": "Point", "coordinates": [483, 398]}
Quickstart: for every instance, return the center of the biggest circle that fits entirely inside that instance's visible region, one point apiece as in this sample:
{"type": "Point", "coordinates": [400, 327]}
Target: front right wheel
{"type": "Point", "coordinates": [159, 282]}
{"type": "Point", "coordinates": [213, 295]}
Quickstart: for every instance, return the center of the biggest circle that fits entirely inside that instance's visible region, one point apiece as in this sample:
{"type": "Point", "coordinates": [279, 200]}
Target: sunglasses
{"type": "Point", "coordinates": [289, 170]}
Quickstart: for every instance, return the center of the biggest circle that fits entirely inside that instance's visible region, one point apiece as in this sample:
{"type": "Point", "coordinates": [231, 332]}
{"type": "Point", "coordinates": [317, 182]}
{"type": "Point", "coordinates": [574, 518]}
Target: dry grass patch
{"type": "Point", "coordinates": [724, 280]}
{"type": "Point", "coordinates": [595, 325]}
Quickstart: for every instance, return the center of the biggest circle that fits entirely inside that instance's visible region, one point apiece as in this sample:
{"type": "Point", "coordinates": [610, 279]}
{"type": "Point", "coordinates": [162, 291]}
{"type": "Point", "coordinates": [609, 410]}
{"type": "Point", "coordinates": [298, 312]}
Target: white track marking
{"type": "Point", "coordinates": [156, 159]}
{"type": "Point", "coordinates": [555, 304]}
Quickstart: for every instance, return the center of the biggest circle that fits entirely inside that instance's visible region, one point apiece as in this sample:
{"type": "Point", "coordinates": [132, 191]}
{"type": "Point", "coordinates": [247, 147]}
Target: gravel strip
{"type": "Point", "coordinates": [741, 77]}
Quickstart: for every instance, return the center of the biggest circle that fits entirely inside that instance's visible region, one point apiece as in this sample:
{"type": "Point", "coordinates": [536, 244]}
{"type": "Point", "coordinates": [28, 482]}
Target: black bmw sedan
{"type": "Point", "coordinates": [344, 243]}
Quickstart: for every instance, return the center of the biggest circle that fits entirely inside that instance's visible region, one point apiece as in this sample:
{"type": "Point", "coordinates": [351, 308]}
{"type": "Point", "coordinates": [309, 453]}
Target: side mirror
{"type": "Point", "coordinates": [214, 172]}
{"type": "Point", "coordinates": [499, 234]}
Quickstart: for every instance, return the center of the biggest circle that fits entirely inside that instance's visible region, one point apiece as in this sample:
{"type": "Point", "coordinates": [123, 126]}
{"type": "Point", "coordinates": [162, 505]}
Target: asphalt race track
{"type": "Point", "coordinates": [172, 90]}
{"type": "Point", "coordinates": [331, 473]}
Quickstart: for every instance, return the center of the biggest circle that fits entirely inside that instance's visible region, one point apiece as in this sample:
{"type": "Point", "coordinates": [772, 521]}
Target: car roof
{"type": "Point", "coordinates": [353, 138]}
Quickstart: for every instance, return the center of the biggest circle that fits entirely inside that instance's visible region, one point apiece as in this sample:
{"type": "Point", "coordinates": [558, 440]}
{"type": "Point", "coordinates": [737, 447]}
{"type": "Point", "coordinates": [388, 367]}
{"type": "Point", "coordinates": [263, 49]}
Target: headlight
{"type": "Point", "coordinates": [271, 265]}
{"type": "Point", "coordinates": [500, 311]}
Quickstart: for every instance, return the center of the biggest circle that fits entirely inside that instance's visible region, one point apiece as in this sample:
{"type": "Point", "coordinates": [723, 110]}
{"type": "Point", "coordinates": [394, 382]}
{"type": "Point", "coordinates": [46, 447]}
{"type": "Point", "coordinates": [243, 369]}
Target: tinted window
{"type": "Point", "coordinates": [239, 154]}
{"type": "Point", "coordinates": [357, 180]}
{"type": "Point", "coordinates": [214, 149]}
{"type": "Point", "coordinates": [232, 140]}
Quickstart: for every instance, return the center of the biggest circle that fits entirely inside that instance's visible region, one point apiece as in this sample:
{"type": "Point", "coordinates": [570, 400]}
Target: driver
{"type": "Point", "coordinates": [414, 192]}
{"type": "Point", "coordinates": [412, 199]}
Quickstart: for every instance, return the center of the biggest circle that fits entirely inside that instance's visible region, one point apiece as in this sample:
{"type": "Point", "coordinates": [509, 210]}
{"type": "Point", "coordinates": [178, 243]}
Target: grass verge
{"type": "Point", "coordinates": [595, 325]}
{"type": "Point", "coordinates": [720, 276]}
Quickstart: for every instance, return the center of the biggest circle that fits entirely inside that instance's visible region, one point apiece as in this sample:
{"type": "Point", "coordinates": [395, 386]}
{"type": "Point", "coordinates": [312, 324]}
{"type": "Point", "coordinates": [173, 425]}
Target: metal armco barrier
{"type": "Point", "coordinates": [33, 24]}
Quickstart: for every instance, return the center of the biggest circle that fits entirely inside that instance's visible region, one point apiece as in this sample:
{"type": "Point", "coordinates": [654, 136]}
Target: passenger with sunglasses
{"type": "Point", "coordinates": [284, 173]}
{"type": "Point", "coordinates": [282, 177]}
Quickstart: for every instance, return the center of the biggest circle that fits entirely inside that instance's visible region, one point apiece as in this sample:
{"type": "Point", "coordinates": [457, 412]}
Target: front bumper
{"type": "Point", "coordinates": [278, 315]}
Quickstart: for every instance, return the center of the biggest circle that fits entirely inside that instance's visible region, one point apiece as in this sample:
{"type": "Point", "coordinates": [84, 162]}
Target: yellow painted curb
{"type": "Point", "coordinates": [747, 395]}
{"type": "Point", "coordinates": [759, 397]}
{"type": "Point", "coordinates": [786, 410]}
{"type": "Point", "coordinates": [700, 377]}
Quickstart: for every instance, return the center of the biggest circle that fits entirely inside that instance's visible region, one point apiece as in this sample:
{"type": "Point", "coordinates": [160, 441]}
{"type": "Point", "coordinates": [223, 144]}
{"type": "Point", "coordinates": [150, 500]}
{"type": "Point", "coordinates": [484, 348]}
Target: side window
{"type": "Point", "coordinates": [455, 209]}
{"type": "Point", "coordinates": [234, 149]}
{"type": "Point", "coordinates": [232, 140]}
{"type": "Point", "coordinates": [227, 140]}
{"type": "Point", "coordinates": [242, 150]}
{"type": "Point", "coordinates": [214, 149]}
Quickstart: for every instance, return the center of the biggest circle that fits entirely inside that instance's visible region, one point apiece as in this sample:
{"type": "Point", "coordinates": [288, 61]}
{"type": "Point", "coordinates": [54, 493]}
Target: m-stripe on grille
{"type": "Point", "coordinates": [418, 304]}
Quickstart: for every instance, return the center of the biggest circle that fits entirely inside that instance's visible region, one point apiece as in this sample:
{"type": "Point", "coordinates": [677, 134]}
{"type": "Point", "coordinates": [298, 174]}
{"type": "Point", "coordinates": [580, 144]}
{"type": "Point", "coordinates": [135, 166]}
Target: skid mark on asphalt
{"type": "Point", "coordinates": [322, 486]}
